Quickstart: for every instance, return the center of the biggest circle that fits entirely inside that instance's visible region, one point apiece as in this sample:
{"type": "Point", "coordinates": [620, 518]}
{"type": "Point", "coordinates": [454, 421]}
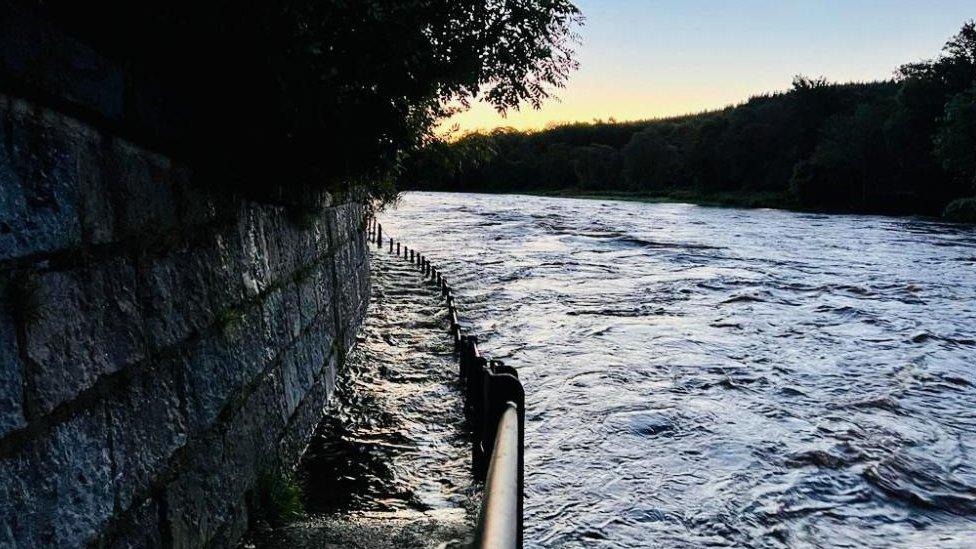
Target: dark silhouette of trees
{"type": "Point", "coordinates": [907, 145]}
{"type": "Point", "coordinates": [293, 93]}
{"type": "Point", "coordinates": [955, 141]}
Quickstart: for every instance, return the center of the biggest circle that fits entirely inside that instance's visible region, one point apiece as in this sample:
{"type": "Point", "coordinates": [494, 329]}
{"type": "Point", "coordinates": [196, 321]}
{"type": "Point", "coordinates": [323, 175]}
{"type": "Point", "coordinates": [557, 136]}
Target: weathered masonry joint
{"type": "Point", "coordinates": [160, 347]}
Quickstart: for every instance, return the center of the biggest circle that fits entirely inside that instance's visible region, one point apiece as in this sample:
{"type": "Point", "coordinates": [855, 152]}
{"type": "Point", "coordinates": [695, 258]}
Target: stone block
{"type": "Point", "coordinates": [308, 413]}
{"type": "Point", "coordinates": [348, 221]}
{"type": "Point", "coordinates": [322, 281]}
{"type": "Point", "coordinates": [254, 252]}
{"type": "Point", "coordinates": [234, 528]}
{"type": "Point", "coordinates": [201, 499]}
{"type": "Point", "coordinates": [141, 186]}
{"type": "Point", "coordinates": [296, 374]}
{"type": "Point", "coordinates": [11, 377]}
{"type": "Point", "coordinates": [255, 429]}
{"type": "Point", "coordinates": [218, 255]}
{"type": "Point", "coordinates": [224, 466]}
{"type": "Point", "coordinates": [147, 425]}
{"type": "Point", "coordinates": [140, 529]}
{"type": "Point", "coordinates": [307, 298]}
{"type": "Point", "coordinates": [280, 314]}
{"type": "Point", "coordinates": [88, 324]}
{"type": "Point", "coordinates": [315, 238]}
{"type": "Point", "coordinates": [177, 290]}
{"type": "Point", "coordinates": [57, 491]}
{"type": "Point", "coordinates": [344, 262]}
{"type": "Point", "coordinates": [282, 244]}
{"type": "Point", "coordinates": [321, 343]}
{"type": "Point", "coordinates": [39, 210]}
{"type": "Point", "coordinates": [220, 365]}
{"type": "Point", "coordinates": [329, 219]}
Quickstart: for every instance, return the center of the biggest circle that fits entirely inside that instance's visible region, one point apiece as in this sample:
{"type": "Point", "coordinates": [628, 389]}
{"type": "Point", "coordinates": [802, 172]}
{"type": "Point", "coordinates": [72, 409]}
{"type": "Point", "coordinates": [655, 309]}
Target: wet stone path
{"type": "Point", "coordinates": [389, 466]}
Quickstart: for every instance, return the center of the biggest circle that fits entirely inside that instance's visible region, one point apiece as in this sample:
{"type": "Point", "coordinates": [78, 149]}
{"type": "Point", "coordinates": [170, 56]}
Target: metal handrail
{"type": "Point", "coordinates": [500, 517]}
{"type": "Point", "coordinates": [494, 404]}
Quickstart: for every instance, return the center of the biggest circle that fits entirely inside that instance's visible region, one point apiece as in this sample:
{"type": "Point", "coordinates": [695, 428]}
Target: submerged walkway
{"type": "Point", "coordinates": [390, 464]}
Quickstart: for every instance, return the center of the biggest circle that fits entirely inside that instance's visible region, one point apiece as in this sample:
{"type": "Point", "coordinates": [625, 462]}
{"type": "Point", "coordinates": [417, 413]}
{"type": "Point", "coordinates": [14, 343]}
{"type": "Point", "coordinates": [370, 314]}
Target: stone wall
{"type": "Point", "coordinates": [161, 347]}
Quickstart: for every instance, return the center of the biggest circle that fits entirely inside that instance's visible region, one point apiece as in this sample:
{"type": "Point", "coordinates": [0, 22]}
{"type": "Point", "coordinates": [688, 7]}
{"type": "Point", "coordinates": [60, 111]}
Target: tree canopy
{"type": "Point", "coordinates": [287, 93]}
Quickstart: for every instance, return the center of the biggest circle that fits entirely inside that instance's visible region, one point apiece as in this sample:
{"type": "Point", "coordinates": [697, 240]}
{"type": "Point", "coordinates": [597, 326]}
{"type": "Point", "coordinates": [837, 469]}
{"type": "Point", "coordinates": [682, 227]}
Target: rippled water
{"type": "Point", "coordinates": [389, 465]}
{"type": "Point", "coordinates": [722, 377]}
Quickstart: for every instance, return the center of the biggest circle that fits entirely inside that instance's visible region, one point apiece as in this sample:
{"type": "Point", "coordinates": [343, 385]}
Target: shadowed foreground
{"type": "Point", "coordinates": [389, 465]}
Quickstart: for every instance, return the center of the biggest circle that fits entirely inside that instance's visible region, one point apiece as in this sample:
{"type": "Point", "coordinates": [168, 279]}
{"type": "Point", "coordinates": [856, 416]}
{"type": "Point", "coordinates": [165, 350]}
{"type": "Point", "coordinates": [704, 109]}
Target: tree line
{"type": "Point", "coordinates": [907, 145]}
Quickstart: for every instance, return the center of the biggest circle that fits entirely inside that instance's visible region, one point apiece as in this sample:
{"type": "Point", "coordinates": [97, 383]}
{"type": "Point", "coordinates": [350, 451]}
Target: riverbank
{"type": "Point", "coordinates": [959, 211]}
{"type": "Point", "coordinates": [389, 466]}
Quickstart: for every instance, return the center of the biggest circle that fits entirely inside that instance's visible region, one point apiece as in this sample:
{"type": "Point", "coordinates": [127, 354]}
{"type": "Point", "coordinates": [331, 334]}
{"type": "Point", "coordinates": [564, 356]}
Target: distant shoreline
{"type": "Point", "coordinates": [773, 200]}
{"type": "Point", "coordinates": [780, 201]}
{"type": "Point", "coordinates": [732, 199]}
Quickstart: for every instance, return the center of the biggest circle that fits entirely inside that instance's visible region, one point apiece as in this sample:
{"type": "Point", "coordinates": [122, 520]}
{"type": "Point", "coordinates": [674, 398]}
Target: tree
{"type": "Point", "coordinates": [849, 166]}
{"type": "Point", "coordinates": [597, 167]}
{"type": "Point", "coordinates": [905, 145]}
{"type": "Point", "coordinates": [955, 142]}
{"type": "Point", "coordinates": [649, 161]}
{"type": "Point", "coordinates": [331, 91]}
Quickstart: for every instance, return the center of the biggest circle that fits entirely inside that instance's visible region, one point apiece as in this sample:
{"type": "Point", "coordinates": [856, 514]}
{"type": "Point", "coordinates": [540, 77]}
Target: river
{"type": "Point", "coordinates": [723, 377]}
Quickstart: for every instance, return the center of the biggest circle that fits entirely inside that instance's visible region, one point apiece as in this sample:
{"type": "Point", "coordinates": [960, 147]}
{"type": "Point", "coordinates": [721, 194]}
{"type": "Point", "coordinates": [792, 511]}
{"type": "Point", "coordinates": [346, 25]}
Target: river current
{"type": "Point", "coordinates": [723, 377]}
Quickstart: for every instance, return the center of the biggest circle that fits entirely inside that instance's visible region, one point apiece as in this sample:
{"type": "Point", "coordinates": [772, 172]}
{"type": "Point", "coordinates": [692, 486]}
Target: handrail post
{"type": "Point", "coordinates": [503, 508]}
{"type": "Point", "coordinates": [494, 406]}
{"type": "Point", "coordinates": [502, 513]}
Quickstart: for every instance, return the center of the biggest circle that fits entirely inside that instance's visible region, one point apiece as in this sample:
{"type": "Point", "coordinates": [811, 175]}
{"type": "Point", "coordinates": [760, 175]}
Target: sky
{"type": "Point", "coordinates": [652, 58]}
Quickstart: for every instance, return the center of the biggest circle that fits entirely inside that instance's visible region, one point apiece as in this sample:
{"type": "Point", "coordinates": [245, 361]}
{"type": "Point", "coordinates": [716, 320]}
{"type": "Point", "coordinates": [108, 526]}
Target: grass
{"type": "Point", "coordinates": [279, 498]}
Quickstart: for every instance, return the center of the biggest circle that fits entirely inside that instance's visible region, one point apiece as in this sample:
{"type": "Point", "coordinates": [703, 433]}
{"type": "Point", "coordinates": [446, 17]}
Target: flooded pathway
{"type": "Point", "coordinates": [390, 464]}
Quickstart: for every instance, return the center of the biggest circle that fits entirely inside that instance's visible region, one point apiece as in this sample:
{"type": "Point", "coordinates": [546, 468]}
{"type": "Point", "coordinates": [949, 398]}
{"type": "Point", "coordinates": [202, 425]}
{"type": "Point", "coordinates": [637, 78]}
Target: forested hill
{"type": "Point", "coordinates": [902, 146]}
